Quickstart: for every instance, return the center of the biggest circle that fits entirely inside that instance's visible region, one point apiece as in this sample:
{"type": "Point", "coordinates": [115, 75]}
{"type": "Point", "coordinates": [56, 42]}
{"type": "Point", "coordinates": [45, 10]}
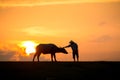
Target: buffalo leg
{"type": "Point", "coordinates": [55, 57]}
{"type": "Point", "coordinates": [38, 56]}
{"type": "Point", "coordinates": [52, 57]}
{"type": "Point", "coordinates": [34, 56]}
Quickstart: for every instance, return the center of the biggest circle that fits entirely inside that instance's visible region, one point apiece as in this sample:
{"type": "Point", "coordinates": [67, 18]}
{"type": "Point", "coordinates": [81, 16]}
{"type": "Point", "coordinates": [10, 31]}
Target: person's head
{"type": "Point", "coordinates": [71, 42]}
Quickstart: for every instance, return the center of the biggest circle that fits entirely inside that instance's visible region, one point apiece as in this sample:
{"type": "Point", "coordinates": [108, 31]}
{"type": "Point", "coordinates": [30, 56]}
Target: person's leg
{"type": "Point", "coordinates": [74, 57]}
{"type": "Point", "coordinates": [77, 57]}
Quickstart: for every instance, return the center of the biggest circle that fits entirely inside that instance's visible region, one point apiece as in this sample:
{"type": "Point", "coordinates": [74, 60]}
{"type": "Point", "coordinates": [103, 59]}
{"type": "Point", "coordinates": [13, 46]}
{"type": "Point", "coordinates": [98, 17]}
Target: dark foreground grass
{"type": "Point", "coordinates": [60, 70]}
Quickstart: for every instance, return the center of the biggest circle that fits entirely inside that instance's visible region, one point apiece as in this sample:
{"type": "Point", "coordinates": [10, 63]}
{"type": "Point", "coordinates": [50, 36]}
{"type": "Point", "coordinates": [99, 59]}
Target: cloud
{"type": "Point", "coordinates": [101, 24]}
{"type": "Point", "coordinates": [16, 56]}
{"type": "Point", "coordinates": [103, 38]}
{"type": "Point", "coordinates": [12, 3]}
{"type": "Point", "coordinates": [8, 55]}
{"type": "Point", "coordinates": [106, 56]}
{"type": "Point", "coordinates": [109, 56]}
{"type": "Point", "coordinates": [38, 30]}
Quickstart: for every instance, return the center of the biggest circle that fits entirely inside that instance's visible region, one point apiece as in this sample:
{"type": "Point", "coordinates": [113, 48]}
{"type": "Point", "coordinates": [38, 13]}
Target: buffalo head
{"type": "Point", "coordinates": [63, 50]}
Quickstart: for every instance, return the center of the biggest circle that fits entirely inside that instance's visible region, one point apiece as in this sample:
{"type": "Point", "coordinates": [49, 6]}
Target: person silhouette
{"type": "Point", "coordinates": [74, 48]}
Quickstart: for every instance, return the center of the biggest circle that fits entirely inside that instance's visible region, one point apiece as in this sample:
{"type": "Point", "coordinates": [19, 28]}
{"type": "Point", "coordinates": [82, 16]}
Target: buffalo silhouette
{"type": "Point", "coordinates": [48, 49]}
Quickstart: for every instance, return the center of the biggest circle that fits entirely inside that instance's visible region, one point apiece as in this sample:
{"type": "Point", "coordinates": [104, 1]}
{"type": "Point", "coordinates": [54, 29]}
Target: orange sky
{"type": "Point", "coordinates": [93, 25]}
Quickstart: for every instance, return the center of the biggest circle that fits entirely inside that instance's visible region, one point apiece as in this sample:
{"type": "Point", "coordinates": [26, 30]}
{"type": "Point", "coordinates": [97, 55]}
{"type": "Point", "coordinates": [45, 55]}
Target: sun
{"type": "Point", "coordinates": [29, 46]}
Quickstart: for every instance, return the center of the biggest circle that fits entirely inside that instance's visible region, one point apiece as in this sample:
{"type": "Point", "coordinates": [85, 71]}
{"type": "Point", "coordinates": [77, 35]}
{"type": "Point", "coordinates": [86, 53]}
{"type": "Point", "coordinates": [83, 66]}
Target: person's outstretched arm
{"type": "Point", "coordinates": [67, 46]}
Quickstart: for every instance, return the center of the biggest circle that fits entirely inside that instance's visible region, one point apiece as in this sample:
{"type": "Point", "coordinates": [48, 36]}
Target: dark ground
{"type": "Point", "coordinates": [60, 70]}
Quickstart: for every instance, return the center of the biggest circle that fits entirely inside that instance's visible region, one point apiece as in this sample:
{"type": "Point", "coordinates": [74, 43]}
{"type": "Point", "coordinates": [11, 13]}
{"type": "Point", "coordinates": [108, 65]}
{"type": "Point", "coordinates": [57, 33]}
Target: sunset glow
{"type": "Point", "coordinates": [93, 24]}
{"type": "Point", "coordinates": [29, 46]}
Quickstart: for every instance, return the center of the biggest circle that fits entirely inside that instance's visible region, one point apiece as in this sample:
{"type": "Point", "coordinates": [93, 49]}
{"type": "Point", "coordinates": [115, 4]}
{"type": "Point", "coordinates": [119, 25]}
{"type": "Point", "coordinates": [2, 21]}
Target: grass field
{"type": "Point", "coordinates": [98, 70]}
